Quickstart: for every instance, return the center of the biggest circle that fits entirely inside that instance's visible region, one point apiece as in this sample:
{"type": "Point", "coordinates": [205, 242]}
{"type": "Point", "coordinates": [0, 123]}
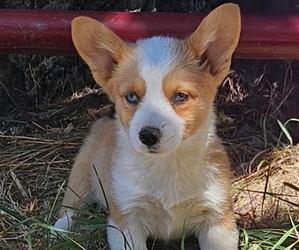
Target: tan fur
{"type": "Point", "coordinates": [203, 63]}
{"type": "Point", "coordinates": [97, 147]}
{"type": "Point", "coordinates": [134, 84]}
{"type": "Point", "coordinates": [196, 85]}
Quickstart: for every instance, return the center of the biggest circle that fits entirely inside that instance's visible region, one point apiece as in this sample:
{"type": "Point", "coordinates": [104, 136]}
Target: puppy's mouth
{"type": "Point", "coordinates": [150, 150]}
{"type": "Point", "coordinates": [153, 151]}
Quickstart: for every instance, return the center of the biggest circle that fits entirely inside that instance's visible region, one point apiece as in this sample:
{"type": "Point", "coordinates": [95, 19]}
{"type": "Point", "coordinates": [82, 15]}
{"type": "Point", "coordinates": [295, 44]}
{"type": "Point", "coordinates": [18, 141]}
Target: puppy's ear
{"type": "Point", "coordinates": [216, 38]}
{"type": "Point", "coordinates": [99, 47]}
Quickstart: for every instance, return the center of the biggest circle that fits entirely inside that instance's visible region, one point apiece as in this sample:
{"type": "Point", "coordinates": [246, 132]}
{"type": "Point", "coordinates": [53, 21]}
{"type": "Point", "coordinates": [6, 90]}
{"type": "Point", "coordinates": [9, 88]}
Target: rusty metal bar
{"type": "Point", "coordinates": [48, 32]}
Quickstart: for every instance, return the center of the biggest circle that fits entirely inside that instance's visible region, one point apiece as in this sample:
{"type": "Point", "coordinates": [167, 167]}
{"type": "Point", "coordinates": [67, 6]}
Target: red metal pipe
{"type": "Point", "coordinates": [48, 32]}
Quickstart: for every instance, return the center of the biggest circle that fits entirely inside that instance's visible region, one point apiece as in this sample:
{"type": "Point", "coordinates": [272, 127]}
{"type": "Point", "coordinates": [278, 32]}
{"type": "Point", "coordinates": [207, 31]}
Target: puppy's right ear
{"type": "Point", "coordinates": [99, 47]}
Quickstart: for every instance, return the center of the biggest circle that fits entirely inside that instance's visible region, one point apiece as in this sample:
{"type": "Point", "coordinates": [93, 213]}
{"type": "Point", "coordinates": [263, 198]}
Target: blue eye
{"type": "Point", "coordinates": [132, 98]}
{"type": "Point", "coordinates": [180, 97]}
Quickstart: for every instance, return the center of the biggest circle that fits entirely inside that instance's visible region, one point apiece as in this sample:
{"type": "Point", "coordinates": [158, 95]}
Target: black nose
{"type": "Point", "coordinates": [149, 136]}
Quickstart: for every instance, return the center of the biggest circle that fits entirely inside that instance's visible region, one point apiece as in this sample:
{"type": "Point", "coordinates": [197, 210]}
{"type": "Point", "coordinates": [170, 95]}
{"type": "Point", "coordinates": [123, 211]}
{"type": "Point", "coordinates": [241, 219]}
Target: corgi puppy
{"type": "Point", "coordinates": [163, 171]}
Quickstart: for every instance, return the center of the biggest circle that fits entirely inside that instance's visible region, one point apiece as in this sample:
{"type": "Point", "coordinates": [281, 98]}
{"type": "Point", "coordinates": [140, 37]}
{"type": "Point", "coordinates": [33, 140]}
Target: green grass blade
{"type": "Point", "coordinates": [183, 236]}
{"type": "Point", "coordinates": [76, 243]}
{"type": "Point", "coordinates": [55, 202]}
{"type": "Point", "coordinates": [51, 228]}
{"type": "Point", "coordinates": [285, 131]}
{"type": "Point", "coordinates": [29, 240]}
{"type": "Point", "coordinates": [245, 238]}
{"type": "Point", "coordinates": [17, 216]}
{"type": "Point", "coordinates": [102, 187]}
{"type": "Point", "coordinates": [283, 238]}
{"type": "Point", "coordinates": [72, 243]}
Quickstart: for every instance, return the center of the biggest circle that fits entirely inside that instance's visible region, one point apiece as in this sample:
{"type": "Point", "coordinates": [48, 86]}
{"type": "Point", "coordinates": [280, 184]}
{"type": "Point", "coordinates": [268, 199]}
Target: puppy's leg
{"type": "Point", "coordinates": [126, 231]}
{"type": "Point", "coordinates": [130, 237]}
{"type": "Point", "coordinates": [221, 235]}
{"type": "Point", "coordinates": [94, 158]}
{"type": "Point", "coordinates": [77, 190]}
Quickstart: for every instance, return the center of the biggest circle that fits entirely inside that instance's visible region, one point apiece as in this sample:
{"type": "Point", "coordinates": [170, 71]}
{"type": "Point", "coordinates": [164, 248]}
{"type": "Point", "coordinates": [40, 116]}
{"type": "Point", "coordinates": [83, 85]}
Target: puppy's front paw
{"type": "Point", "coordinates": [62, 225]}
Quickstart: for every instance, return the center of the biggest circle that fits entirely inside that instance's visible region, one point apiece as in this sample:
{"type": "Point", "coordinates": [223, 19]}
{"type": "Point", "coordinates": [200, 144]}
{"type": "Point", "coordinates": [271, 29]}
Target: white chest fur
{"type": "Point", "coordinates": [164, 181]}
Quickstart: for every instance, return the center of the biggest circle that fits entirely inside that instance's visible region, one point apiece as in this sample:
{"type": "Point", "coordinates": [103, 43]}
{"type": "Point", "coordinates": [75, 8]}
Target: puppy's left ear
{"type": "Point", "coordinates": [216, 38]}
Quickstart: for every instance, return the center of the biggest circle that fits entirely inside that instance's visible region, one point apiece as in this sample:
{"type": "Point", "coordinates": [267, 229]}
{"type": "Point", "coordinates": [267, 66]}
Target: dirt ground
{"type": "Point", "coordinates": [48, 103]}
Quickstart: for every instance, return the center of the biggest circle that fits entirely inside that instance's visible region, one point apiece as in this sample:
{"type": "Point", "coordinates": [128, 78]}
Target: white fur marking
{"type": "Point", "coordinates": [156, 57]}
{"type": "Point", "coordinates": [129, 238]}
{"type": "Point", "coordinates": [115, 237]}
{"type": "Point", "coordinates": [213, 237]}
{"type": "Point", "coordinates": [63, 223]}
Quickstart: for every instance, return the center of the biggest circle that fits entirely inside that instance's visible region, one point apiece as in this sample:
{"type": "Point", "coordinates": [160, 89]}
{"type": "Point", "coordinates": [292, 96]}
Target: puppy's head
{"type": "Point", "coordinates": [163, 88]}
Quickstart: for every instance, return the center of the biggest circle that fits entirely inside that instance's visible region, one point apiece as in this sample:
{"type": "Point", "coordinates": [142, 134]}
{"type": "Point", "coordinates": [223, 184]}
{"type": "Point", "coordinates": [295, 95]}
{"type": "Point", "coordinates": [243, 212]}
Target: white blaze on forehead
{"type": "Point", "coordinates": [157, 56]}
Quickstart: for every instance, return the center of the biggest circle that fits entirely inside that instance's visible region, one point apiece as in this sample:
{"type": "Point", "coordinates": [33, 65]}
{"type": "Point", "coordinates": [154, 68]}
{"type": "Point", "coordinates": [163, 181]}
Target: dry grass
{"type": "Point", "coordinates": [34, 168]}
{"type": "Point", "coordinates": [32, 171]}
{"type": "Point", "coordinates": [269, 196]}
